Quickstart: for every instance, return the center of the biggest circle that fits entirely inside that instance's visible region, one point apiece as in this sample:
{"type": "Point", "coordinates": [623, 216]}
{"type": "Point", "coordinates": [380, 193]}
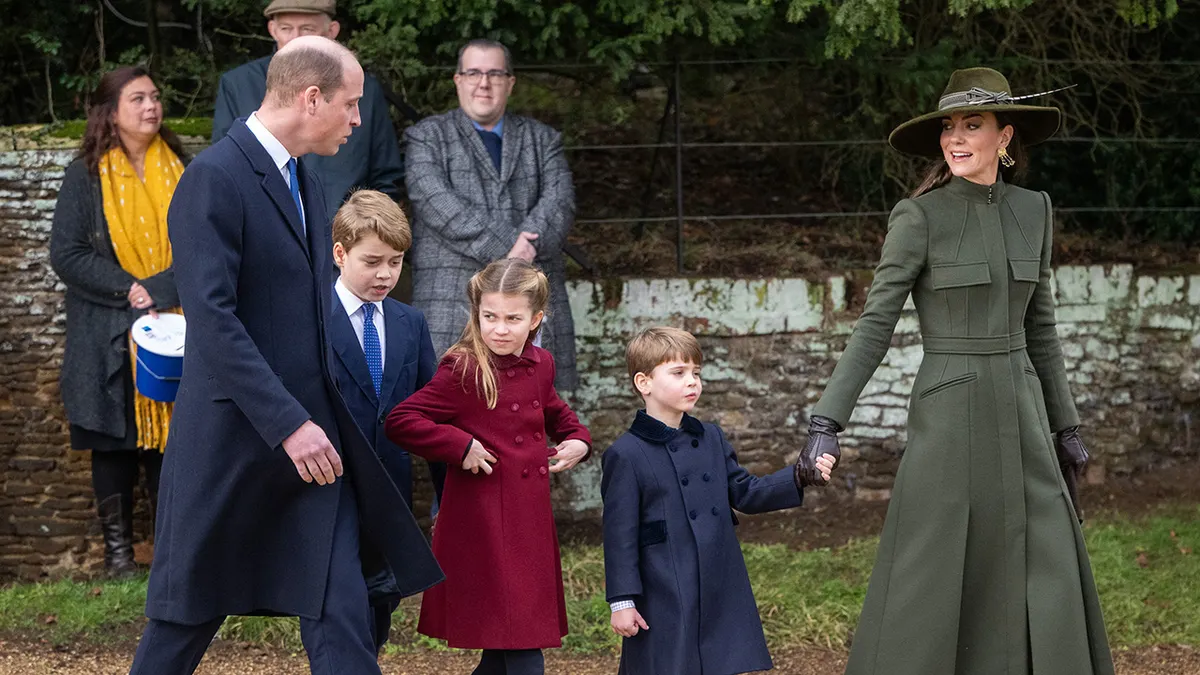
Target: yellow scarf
{"type": "Point", "coordinates": [136, 212]}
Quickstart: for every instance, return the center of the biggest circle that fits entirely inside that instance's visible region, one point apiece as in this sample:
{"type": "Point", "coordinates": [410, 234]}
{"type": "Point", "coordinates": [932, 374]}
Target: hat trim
{"type": "Point", "coordinates": [902, 137]}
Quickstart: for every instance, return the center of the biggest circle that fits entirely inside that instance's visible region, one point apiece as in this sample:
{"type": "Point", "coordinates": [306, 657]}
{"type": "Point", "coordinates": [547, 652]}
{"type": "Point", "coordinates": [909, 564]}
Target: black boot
{"type": "Point", "coordinates": [116, 526]}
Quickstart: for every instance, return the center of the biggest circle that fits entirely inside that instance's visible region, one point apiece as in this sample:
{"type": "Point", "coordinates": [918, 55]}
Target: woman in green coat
{"type": "Point", "coordinates": [981, 567]}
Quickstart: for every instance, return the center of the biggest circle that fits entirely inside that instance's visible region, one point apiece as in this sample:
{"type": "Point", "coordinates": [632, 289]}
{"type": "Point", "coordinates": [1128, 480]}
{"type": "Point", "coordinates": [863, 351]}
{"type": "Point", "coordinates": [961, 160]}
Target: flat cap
{"type": "Point", "coordinates": [328, 7]}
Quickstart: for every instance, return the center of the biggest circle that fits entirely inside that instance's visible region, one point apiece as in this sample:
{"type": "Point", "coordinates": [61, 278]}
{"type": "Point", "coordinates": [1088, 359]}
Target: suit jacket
{"type": "Point", "coordinates": [238, 531]}
{"type": "Point", "coordinates": [466, 214]}
{"type": "Point", "coordinates": [670, 546]}
{"type": "Point", "coordinates": [369, 159]}
{"type": "Point", "coordinates": [409, 364]}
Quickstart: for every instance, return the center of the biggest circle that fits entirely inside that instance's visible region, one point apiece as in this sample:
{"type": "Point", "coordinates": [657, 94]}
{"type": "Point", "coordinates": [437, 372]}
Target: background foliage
{"type": "Point", "coordinates": [808, 70]}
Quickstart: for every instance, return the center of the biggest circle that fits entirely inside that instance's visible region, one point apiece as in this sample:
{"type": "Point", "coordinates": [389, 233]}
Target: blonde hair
{"type": "Point", "coordinates": [371, 212]}
{"type": "Point", "coordinates": [657, 345]}
{"type": "Point", "coordinates": [513, 276]}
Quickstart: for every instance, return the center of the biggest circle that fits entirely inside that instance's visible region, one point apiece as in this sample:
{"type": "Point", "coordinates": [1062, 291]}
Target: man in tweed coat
{"type": "Point", "coordinates": [487, 185]}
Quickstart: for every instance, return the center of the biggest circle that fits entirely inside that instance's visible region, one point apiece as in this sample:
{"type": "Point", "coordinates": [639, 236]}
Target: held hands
{"type": "Point", "coordinates": [524, 247]}
{"type": "Point", "coordinates": [478, 458]}
{"type": "Point", "coordinates": [627, 622]}
{"type": "Point", "coordinates": [313, 454]}
{"type": "Point", "coordinates": [139, 298]}
{"type": "Point", "coordinates": [820, 454]}
{"type": "Point", "coordinates": [568, 453]}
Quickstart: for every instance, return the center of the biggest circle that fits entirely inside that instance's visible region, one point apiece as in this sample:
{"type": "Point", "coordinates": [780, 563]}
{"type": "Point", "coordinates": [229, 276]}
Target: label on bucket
{"type": "Point", "coordinates": [163, 336]}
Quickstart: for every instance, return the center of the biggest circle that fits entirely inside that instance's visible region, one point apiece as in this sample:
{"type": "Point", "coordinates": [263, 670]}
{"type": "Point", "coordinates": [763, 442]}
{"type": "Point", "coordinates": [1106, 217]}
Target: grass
{"type": "Point", "coordinates": [1147, 571]}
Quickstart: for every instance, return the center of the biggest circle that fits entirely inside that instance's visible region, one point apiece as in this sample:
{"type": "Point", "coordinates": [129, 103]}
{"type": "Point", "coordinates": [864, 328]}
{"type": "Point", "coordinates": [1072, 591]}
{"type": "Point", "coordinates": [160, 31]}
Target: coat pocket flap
{"type": "Point", "coordinates": [1026, 269]}
{"type": "Point", "coordinates": [957, 275]}
{"type": "Point", "coordinates": [653, 532]}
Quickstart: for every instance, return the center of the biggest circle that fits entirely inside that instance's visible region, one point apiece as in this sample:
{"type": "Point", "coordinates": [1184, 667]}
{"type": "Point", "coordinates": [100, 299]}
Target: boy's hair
{"type": "Point", "coordinates": [513, 276]}
{"type": "Point", "coordinates": [655, 346]}
{"type": "Point", "coordinates": [371, 212]}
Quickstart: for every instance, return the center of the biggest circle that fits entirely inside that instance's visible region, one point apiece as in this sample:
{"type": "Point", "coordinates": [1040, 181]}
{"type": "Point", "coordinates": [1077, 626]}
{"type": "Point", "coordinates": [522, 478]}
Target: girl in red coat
{"type": "Point", "coordinates": [490, 409]}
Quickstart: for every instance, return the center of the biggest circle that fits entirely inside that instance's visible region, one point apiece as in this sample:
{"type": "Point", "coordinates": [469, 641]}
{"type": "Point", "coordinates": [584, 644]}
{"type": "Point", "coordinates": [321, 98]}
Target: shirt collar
{"type": "Point", "coordinates": [274, 148]}
{"type": "Point", "coordinates": [498, 129]}
{"type": "Point", "coordinates": [350, 301]}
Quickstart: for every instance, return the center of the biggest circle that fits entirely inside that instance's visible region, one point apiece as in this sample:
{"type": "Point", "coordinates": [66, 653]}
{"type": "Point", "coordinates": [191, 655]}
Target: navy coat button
{"type": "Point", "coordinates": [673, 448]}
{"type": "Point", "coordinates": [695, 443]}
{"type": "Point", "coordinates": [692, 514]}
{"type": "Point", "coordinates": [715, 511]}
{"type": "Point", "coordinates": [684, 481]}
{"type": "Point", "coordinates": [515, 407]}
{"type": "Point", "coordinates": [707, 478]}
{"type": "Point", "coordinates": [382, 417]}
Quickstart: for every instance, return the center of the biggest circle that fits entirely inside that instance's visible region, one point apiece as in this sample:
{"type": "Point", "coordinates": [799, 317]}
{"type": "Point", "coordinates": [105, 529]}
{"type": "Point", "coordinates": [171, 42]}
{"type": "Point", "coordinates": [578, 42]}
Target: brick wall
{"type": "Point", "coordinates": [1132, 341]}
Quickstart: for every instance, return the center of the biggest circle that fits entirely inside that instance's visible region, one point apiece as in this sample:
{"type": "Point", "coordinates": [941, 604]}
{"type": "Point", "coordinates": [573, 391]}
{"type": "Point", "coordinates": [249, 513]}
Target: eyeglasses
{"type": "Point", "coordinates": [473, 76]}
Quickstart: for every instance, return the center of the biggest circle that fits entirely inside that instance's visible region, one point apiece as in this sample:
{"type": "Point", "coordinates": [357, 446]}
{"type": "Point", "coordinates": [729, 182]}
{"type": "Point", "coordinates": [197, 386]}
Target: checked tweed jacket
{"type": "Point", "coordinates": [466, 215]}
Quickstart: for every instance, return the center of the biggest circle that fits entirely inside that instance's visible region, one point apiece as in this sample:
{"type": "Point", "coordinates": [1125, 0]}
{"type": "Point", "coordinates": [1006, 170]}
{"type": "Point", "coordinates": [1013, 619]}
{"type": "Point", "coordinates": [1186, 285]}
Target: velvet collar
{"type": "Point", "coordinates": [651, 430]}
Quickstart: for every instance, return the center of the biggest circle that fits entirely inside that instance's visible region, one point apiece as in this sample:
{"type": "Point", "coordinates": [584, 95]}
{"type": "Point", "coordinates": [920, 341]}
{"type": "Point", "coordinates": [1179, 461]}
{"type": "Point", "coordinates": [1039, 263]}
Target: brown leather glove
{"type": "Point", "coordinates": [1072, 460]}
{"type": "Point", "coordinates": [822, 439]}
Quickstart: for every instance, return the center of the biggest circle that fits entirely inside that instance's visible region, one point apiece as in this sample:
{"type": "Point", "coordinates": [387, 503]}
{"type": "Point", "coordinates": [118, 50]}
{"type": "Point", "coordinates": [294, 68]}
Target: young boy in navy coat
{"type": "Point", "coordinates": [384, 350]}
{"type": "Point", "coordinates": [676, 580]}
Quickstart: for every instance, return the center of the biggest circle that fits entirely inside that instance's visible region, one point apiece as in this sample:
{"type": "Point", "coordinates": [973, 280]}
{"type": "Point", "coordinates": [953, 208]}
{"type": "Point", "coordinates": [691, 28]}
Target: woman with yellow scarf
{"type": "Point", "coordinates": [109, 246]}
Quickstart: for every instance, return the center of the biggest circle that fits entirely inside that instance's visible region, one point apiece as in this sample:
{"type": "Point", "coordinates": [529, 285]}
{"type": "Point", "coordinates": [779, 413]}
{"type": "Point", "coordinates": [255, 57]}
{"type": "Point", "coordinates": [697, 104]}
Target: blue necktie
{"type": "Point", "coordinates": [493, 144]}
{"type": "Point", "coordinates": [295, 186]}
{"type": "Point", "coordinates": [371, 347]}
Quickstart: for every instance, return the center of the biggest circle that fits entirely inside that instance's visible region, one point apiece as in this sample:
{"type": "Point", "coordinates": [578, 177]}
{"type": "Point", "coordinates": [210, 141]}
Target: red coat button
{"type": "Point", "coordinates": [524, 473]}
{"type": "Point", "coordinates": [537, 404]}
{"type": "Point", "coordinates": [515, 407]}
{"type": "Point", "coordinates": [537, 435]}
{"type": "Point", "coordinates": [512, 372]}
{"type": "Point", "coordinates": [519, 439]}
{"type": "Point", "coordinates": [529, 372]}
{"type": "Point", "coordinates": [542, 470]}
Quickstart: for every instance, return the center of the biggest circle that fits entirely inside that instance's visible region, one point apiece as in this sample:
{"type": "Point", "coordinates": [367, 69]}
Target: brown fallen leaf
{"type": "Point", "coordinates": [1142, 560]}
{"type": "Point", "coordinates": [96, 592]}
{"type": "Point", "coordinates": [50, 619]}
{"type": "Point", "coordinates": [1185, 550]}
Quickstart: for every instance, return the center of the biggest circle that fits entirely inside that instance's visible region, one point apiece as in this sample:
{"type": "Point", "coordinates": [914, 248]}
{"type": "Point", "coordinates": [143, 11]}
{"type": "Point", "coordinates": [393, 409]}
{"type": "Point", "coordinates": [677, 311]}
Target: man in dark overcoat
{"type": "Point", "coordinates": [272, 502]}
{"type": "Point", "coordinates": [487, 185]}
{"type": "Point", "coordinates": [370, 158]}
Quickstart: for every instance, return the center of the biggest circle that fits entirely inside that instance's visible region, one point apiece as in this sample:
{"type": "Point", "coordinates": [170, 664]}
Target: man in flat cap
{"type": "Point", "coordinates": [370, 159]}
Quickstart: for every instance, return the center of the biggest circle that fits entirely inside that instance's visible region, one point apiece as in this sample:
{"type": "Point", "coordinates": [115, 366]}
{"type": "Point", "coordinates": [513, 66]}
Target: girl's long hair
{"type": "Point", "coordinates": [101, 135]}
{"type": "Point", "coordinates": [939, 172]}
{"type": "Point", "coordinates": [513, 276]}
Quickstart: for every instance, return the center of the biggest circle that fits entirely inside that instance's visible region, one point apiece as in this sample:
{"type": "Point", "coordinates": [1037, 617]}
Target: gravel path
{"type": "Point", "coordinates": [21, 658]}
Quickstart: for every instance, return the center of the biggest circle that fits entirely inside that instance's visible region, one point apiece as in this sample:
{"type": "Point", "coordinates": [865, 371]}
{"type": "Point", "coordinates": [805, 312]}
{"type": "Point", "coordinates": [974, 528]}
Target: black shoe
{"type": "Point", "coordinates": [116, 527]}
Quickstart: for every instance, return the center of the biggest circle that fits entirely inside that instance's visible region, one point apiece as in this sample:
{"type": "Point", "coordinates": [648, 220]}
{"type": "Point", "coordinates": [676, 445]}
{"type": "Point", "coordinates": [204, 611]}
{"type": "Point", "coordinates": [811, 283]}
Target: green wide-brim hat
{"type": "Point", "coordinates": [976, 90]}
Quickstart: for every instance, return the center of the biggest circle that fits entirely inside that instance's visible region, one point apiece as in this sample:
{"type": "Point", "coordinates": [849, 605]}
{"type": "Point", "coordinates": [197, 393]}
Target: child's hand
{"type": "Point", "coordinates": [568, 453]}
{"type": "Point", "coordinates": [825, 464]}
{"type": "Point", "coordinates": [478, 458]}
{"type": "Point", "coordinates": [627, 622]}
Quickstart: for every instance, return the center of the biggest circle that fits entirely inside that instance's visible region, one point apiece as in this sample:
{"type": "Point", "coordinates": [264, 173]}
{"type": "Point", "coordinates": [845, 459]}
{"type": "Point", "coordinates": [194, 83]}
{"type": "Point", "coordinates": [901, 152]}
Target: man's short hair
{"type": "Point", "coordinates": [291, 71]}
{"type": "Point", "coordinates": [484, 43]}
{"type": "Point", "coordinates": [371, 212]}
{"type": "Point", "coordinates": [658, 345]}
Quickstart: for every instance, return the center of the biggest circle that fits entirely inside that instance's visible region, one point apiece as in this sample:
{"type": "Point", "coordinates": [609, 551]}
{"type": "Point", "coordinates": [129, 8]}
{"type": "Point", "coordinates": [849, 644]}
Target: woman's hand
{"type": "Point", "coordinates": [568, 453]}
{"type": "Point", "coordinates": [139, 297]}
{"type": "Point", "coordinates": [478, 458]}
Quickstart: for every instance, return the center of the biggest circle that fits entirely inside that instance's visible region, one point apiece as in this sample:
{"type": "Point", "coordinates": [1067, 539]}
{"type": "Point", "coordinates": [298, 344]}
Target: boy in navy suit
{"type": "Point", "coordinates": [674, 572]}
{"type": "Point", "coordinates": [384, 350]}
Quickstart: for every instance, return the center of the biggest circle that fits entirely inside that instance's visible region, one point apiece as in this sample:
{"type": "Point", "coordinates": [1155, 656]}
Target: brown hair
{"type": "Point", "coordinates": [484, 43]}
{"type": "Point", "coordinates": [513, 276]}
{"type": "Point", "coordinates": [371, 212]}
{"type": "Point", "coordinates": [101, 135]}
{"type": "Point", "coordinates": [939, 174]}
{"type": "Point", "coordinates": [294, 70]}
{"type": "Point", "coordinates": [655, 346]}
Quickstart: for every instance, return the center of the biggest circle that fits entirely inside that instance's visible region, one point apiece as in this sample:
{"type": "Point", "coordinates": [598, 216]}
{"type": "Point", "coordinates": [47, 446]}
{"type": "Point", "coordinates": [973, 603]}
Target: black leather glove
{"type": "Point", "coordinates": [822, 439]}
{"type": "Point", "coordinates": [1072, 460]}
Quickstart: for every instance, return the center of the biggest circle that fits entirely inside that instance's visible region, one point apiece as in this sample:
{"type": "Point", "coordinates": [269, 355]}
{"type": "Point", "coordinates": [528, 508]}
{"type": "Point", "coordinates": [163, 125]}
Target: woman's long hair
{"type": "Point", "coordinates": [101, 134]}
{"type": "Point", "coordinates": [510, 277]}
{"type": "Point", "coordinates": [939, 172]}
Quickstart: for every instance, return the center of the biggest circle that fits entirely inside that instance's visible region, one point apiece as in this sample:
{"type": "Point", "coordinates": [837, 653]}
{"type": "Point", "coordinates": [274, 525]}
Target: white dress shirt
{"type": "Point", "coordinates": [353, 306]}
{"type": "Point", "coordinates": [279, 155]}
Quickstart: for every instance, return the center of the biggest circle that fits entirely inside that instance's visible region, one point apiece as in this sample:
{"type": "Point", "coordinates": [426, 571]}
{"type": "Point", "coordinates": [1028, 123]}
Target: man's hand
{"type": "Point", "coordinates": [524, 247]}
{"type": "Point", "coordinates": [478, 458]}
{"type": "Point", "coordinates": [313, 454]}
{"type": "Point", "coordinates": [568, 453]}
{"type": "Point", "coordinates": [627, 622]}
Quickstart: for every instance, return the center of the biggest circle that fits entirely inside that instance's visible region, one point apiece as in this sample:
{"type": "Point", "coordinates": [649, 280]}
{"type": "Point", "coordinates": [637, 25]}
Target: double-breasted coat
{"type": "Point", "coordinates": [981, 565]}
{"type": "Point", "coordinates": [467, 214]}
{"type": "Point", "coordinates": [670, 546]}
{"type": "Point", "coordinates": [239, 532]}
{"type": "Point", "coordinates": [495, 535]}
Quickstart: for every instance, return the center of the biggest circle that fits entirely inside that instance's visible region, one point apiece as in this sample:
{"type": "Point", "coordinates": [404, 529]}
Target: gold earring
{"type": "Point", "coordinates": [1006, 159]}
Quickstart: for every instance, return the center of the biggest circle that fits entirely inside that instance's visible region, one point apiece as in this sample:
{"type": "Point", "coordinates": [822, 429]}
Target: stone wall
{"type": "Point", "coordinates": [1131, 340]}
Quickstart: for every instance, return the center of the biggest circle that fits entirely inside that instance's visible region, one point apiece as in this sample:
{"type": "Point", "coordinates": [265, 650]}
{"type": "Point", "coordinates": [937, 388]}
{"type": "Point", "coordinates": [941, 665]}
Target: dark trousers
{"type": "Point", "coordinates": [511, 662]}
{"type": "Point", "coordinates": [115, 472]}
{"type": "Point", "coordinates": [339, 643]}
